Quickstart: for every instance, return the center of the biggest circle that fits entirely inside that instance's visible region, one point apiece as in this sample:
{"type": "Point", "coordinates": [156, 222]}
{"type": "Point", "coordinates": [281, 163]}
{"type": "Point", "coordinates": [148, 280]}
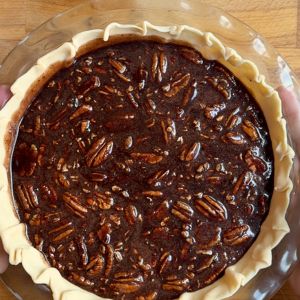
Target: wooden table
{"type": "Point", "coordinates": [277, 20]}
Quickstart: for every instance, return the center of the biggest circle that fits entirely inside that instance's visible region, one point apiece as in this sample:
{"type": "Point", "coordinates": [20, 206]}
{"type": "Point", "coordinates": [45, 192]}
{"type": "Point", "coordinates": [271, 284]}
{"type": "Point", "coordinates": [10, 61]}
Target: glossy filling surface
{"type": "Point", "coordinates": [143, 170]}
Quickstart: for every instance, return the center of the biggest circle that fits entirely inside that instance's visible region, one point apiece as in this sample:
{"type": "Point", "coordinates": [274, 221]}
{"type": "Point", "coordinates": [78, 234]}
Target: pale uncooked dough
{"type": "Point", "coordinates": [274, 227]}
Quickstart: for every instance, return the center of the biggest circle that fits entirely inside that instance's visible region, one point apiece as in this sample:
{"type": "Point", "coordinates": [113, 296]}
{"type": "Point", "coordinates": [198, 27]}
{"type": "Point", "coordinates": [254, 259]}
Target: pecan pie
{"type": "Point", "coordinates": [144, 167]}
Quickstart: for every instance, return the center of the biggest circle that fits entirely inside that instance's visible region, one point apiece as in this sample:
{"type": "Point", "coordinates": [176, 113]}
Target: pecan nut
{"type": "Point", "coordinates": [211, 208]}
{"type": "Point", "coordinates": [237, 235]}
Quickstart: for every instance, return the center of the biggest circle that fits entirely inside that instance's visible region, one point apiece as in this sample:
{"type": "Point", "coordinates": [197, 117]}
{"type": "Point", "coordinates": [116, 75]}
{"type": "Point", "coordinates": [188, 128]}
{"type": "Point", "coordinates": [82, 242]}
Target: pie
{"type": "Point", "coordinates": [143, 163]}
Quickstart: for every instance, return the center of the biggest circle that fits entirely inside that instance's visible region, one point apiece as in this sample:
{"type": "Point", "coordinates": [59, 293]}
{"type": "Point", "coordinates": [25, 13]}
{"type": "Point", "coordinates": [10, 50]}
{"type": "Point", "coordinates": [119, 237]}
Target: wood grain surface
{"type": "Point", "coordinates": [277, 20]}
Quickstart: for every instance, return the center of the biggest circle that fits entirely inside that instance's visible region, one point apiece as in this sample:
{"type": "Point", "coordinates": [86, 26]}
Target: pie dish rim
{"type": "Point", "coordinates": [272, 230]}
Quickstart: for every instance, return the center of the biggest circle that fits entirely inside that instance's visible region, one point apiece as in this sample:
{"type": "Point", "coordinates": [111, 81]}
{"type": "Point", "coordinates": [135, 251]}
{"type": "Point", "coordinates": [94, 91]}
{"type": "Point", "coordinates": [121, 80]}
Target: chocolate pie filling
{"type": "Point", "coordinates": [143, 170]}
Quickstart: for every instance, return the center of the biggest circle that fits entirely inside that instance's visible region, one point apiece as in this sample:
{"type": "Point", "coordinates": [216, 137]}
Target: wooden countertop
{"type": "Point", "coordinates": [276, 20]}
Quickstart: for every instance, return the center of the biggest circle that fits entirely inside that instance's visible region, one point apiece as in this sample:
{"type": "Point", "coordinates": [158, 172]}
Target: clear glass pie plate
{"type": "Point", "coordinates": [233, 33]}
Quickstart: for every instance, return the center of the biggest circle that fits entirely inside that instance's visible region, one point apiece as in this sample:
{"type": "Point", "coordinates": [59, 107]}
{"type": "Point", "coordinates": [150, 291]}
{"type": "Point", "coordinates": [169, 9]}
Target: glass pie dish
{"type": "Point", "coordinates": [97, 14]}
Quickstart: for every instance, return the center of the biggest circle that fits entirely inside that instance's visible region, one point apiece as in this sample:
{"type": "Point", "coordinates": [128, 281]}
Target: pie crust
{"type": "Point", "coordinates": [273, 229]}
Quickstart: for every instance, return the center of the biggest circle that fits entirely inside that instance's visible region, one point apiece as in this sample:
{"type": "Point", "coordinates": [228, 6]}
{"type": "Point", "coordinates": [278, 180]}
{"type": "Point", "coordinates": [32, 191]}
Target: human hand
{"type": "Point", "coordinates": [4, 96]}
{"type": "Point", "coordinates": [291, 108]}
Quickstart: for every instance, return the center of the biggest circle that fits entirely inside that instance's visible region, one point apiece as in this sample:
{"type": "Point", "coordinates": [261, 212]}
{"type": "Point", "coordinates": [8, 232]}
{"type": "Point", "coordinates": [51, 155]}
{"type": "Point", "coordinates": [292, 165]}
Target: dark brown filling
{"type": "Point", "coordinates": [143, 170]}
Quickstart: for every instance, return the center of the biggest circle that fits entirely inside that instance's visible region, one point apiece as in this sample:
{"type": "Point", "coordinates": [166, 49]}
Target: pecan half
{"type": "Point", "coordinates": [192, 55]}
{"type": "Point", "coordinates": [109, 259]}
{"type": "Point", "coordinates": [207, 262]}
{"type": "Point", "coordinates": [151, 296]}
{"type": "Point", "coordinates": [104, 233]}
{"type": "Point", "coordinates": [192, 153]}
{"type": "Point", "coordinates": [237, 235]}
{"type": "Point", "coordinates": [89, 85]}
{"type": "Point", "coordinates": [190, 94]}
{"type": "Point", "coordinates": [104, 201]}
{"type": "Point", "coordinates": [215, 274]}
{"type": "Point", "coordinates": [74, 204]}
{"type": "Point", "coordinates": [150, 158]}
{"type": "Point", "coordinates": [166, 260]}
{"type": "Point", "coordinates": [233, 121]}
{"type": "Point", "coordinates": [152, 193]}
{"type": "Point", "coordinates": [162, 211]}
{"type": "Point", "coordinates": [163, 62]}
{"type": "Point", "coordinates": [211, 208]}
{"type": "Point", "coordinates": [81, 280]}
{"type": "Point", "coordinates": [125, 288]}
{"type": "Point", "coordinates": [81, 110]}
{"type": "Point", "coordinates": [27, 196]}
{"type": "Point", "coordinates": [212, 111]}
{"type": "Point", "coordinates": [177, 285]}
{"type": "Point", "coordinates": [121, 68]}
{"type": "Point", "coordinates": [126, 283]}
{"type": "Point", "coordinates": [158, 177]}
{"type": "Point", "coordinates": [63, 235]}
{"type": "Point", "coordinates": [233, 138]}
{"type": "Point", "coordinates": [63, 180]}
{"type": "Point", "coordinates": [82, 250]}
{"type": "Point", "coordinates": [254, 163]}
{"type": "Point", "coordinates": [97, 177]}
{"type": "Point", "coordinates": [48, 193]}
{"type": "Point", "coordinates": [245, 179]}
{"type": "Point", "coordinates": [182, 211]}
{"type": "Point", "coordinates": [95, 265]}
{"type": "Point", "coordinates": [154, 67]}
{"type": "Point", "coordinates": [98, 152]}
{"type": "Point", "coordinates": [178, 85]}
{"type": "Point", "coordinates": [169, 130]}
{"type": "Point", "coordinates": [131, 214]}
{"type": "Point", "coordinates": [250, 130]}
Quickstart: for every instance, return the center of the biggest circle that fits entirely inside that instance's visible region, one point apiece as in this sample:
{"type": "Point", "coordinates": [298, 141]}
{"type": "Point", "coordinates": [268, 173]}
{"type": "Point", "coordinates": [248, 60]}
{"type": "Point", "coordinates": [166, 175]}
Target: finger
{"type": "Point", "coordinates": [5, 94]}
{"type": "Point", "coordinates": [291, 110]}
{"type": "Point", "coordinates": [3, 259]}
{"type": "Point", "coordinates": [291, 107]}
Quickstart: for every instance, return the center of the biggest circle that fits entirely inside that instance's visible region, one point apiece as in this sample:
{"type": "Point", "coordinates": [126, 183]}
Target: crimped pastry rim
{"type": "Point", "coordinates": [273, 229]}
